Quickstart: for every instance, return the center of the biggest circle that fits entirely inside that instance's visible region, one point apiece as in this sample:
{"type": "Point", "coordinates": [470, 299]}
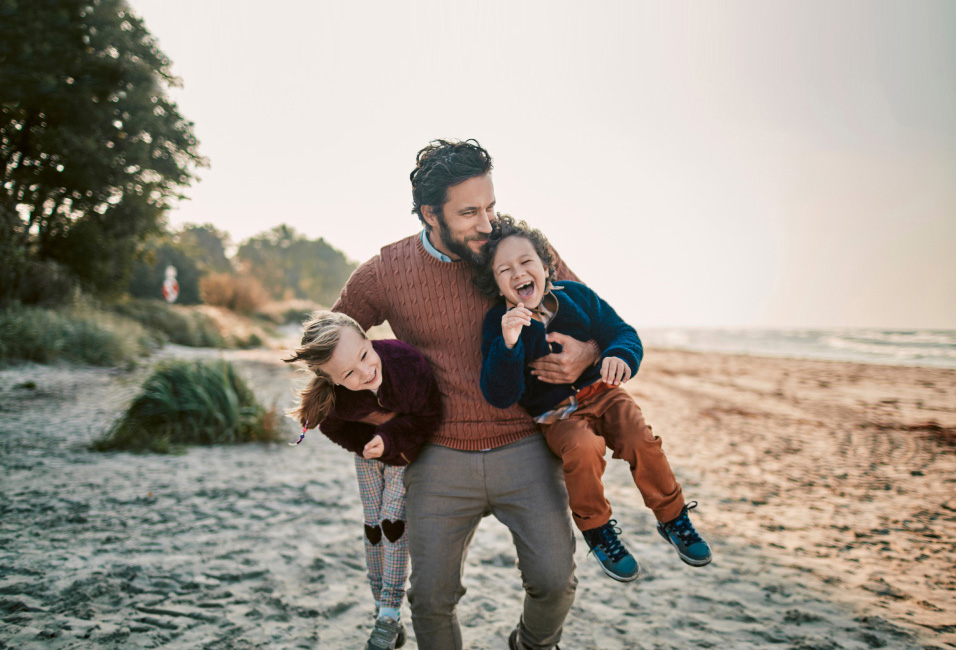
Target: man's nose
{"type": "Point", "coordinates": [484, 225]}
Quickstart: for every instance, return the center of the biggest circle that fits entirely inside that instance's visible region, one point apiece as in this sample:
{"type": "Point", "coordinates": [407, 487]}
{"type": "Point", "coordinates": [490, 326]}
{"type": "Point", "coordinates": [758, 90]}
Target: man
{"type": "Point", "coordinates": [482, 460]}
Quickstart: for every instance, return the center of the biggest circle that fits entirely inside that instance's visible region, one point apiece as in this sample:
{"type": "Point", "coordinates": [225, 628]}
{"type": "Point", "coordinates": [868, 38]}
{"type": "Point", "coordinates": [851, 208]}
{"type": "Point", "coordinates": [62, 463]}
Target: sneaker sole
{"type": "Point", "coordinates": [684, 558]}
{"type": "Point", "coordinates": [616, 576]}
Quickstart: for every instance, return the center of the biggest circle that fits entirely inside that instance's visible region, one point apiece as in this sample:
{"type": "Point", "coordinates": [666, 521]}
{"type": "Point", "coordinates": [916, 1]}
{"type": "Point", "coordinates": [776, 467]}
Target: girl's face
{"type": "Point", "coordinates": [519, 272]}
{"type": "Point", "coordinates": [354, 364]}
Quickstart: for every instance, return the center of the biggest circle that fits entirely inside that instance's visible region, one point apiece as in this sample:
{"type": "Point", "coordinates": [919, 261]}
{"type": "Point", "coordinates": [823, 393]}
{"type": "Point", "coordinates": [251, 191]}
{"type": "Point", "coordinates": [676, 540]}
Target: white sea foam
{"type": "Point", "coordinates": [936, 348]}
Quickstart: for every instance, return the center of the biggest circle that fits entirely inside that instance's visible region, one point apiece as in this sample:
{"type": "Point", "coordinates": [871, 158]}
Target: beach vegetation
{"type": "Point", "coordinates": [93, 151]}
{"type": "Point", "coordinates": [173, 323]}
{"type": "Point", "coordinates": [290, 265]}
{"type": "Point", "coordinates": [240, 294]}
{"type": "Point", "coordinates": [191, 403]}
{"type": "Point", "coordinates": [79, 334]}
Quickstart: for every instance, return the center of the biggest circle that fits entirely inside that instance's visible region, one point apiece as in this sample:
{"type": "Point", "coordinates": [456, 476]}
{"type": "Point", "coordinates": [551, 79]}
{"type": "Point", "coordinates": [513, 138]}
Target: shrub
{"type": "Point", "coordinates": [82, 335]}
{"type": "Point", "coordinates": [179, 325]}
{"type": "Point", "coordinates": [244, 295]}
{"type": "Point", "coordinates": [191, 403]}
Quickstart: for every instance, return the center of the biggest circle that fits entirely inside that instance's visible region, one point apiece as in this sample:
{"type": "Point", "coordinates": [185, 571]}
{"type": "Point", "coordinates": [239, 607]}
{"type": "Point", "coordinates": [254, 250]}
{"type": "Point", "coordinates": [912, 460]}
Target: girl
{"type": "Point", "coordinates": [379, 400]}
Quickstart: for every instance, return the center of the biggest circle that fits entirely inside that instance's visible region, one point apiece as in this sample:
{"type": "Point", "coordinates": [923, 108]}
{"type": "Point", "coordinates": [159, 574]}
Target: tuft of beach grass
{"type": "Point", "coordinates": [191, 403]}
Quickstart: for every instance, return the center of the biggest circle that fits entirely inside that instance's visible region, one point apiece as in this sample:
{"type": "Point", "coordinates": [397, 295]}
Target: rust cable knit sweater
{"type": "Point", "coordinates": [435, 307]}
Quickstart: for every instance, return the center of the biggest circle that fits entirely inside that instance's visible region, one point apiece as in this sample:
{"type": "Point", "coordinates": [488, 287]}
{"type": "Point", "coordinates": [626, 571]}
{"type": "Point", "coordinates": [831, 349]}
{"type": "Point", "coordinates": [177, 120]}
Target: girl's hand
{"type": "Point", "coordinates": [614, 371]}
{"type": "Point", "coordinates": [374, 448]}
{"type": "Point", "coordinates": [512, 322]}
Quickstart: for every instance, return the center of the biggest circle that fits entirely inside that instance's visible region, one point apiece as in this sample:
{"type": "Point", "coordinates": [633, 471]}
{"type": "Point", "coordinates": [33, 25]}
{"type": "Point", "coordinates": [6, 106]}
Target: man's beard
{"type": "Point", "coordinates": [459, 248]}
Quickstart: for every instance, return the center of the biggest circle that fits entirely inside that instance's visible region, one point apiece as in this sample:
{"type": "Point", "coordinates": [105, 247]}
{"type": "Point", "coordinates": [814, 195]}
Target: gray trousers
{"type": "Point", "coordinates": [447, 494]}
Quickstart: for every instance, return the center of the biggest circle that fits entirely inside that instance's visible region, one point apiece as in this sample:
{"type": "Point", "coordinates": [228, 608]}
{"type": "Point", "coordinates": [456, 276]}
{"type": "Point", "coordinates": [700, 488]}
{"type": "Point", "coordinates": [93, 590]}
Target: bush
{"type": "Point", "coordinates": [170, 323]}
{"type": "Point", "coordinates": [191, 403]}
{"type": "Point", "coordinates": [34, 282]}
{"type": "Point", "coordinates": [82, 335]}
{"type": "Point", "coordinates": [243, 295]}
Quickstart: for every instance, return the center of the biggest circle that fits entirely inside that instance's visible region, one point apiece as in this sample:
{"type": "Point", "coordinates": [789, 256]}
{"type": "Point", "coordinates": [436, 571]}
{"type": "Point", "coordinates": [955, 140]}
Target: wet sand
{"type": "Point", "coordinates": [828, 491]}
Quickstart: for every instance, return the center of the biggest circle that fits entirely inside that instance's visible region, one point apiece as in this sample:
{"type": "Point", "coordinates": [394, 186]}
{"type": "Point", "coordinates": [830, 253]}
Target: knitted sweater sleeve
{"type": "Point", "coordinates": [615, 337]}
{"type": "Point", "coordinates": [352, 436]}
{"type": "Point", "coordinates": [502, 370]}
{"type": "Point", "coordinates": [405, 433]}
{"type": "Point", "coordinates": [362, 298]}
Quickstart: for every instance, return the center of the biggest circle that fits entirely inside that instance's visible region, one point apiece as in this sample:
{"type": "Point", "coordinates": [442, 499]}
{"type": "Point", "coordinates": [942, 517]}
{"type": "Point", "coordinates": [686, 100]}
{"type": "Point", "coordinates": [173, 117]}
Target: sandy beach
{"type": "Point", "coordinates": [827, 489]}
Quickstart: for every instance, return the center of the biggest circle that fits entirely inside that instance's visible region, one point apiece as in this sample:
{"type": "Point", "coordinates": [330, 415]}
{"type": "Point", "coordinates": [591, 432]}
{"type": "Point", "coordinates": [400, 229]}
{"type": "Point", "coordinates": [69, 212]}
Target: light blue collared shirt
{"type": "Point", "coordinates": [434, 252]}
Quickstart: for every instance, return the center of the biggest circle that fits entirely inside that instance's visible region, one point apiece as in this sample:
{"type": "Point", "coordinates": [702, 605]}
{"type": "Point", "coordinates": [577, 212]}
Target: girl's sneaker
{"type": "Point", "coordinates": [386, 635]}
{"type": "Point", "coordinates": [681, 534]}
{"type": "Point", "coordinates": [615, 560]}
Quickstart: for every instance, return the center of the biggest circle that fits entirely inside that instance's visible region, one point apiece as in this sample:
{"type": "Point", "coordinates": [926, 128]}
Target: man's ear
{"type": "Point", "coordinates": [429, 215]}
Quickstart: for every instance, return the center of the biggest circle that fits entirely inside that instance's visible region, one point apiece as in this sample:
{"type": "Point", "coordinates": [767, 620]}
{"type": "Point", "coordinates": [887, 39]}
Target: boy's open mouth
{"type": "Point", "coordinates": [374, 375]}
{"type": "Point", "coordinates": [525, 291]}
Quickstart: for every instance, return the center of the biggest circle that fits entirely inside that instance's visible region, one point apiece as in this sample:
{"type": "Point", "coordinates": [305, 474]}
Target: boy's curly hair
{"type": "Point", "coordinates": [505, 226]}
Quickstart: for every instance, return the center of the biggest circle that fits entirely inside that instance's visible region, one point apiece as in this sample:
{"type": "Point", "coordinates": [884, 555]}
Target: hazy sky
{"type": "Point", "coordinates": [785, 164]}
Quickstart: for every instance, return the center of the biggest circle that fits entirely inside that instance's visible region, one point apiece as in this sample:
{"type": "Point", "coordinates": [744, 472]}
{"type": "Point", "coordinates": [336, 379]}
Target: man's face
{"type": "Point", "coordinates": [464, 223]}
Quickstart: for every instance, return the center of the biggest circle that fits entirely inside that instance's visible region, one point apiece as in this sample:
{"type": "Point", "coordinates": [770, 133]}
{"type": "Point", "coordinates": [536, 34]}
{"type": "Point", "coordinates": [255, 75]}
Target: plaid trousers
{"type": "Point", "coordinates": [382, 488]}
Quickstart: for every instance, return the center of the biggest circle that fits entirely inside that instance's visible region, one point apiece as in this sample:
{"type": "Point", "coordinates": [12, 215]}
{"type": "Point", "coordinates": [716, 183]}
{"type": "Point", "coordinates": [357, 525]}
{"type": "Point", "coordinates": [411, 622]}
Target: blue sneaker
{"type": "Point", "coordinates": [614, 559]}
{"type": "Point", "coordinates": [680, 533]}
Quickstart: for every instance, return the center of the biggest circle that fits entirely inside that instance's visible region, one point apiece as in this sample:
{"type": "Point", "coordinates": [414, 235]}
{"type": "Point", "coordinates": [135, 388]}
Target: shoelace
{"type": "Point", "coordinates": [610, 543]}
{"type": "Point", "coordinates": [683, 528]}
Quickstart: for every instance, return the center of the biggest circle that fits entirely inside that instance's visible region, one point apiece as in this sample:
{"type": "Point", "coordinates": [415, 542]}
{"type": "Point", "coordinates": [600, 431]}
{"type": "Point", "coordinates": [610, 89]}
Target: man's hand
{"type": "Point", "coordinates": [614, 371]}
{"type": "Point", "coordinates": [511, 323]}
{"type": "Point", "coordinates": [374, 448]}
{"type": "Point", "coordinates": [378, 418]}
{"type": "Point", "coordinates": [565, 366]}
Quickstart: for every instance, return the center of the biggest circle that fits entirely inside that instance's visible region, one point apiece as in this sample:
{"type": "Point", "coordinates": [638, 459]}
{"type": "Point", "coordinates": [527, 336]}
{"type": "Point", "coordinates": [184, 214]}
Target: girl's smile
{"type": "Point", "coordinates": [354, 364]}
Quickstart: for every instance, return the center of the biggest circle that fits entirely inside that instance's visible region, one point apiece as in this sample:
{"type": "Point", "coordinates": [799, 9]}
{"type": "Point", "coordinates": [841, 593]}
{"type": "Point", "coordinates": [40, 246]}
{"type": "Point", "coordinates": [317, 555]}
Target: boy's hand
{"type": "Point", "coordinates": [565, 366]}
{"type": "Point", "coordinates": [374, 448]}
{"type": "Point", "coordinates": [614, 371]}
{"type": "Point", "coordinates": [512, 322]}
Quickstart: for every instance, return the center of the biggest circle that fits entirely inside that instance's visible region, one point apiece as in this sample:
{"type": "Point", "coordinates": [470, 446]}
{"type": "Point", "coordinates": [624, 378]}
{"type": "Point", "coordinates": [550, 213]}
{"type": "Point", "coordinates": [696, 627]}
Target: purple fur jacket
{"type": "Point", "coordinates": [408, 389]}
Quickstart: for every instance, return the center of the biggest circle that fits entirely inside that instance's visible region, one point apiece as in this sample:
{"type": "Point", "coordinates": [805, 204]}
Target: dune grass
{"type": "Point", "coordinates": [78, 334]}
{"type": "Point", "coordinates": [191, 403]}
{"type": "Point", "coordinates": [190, 328]}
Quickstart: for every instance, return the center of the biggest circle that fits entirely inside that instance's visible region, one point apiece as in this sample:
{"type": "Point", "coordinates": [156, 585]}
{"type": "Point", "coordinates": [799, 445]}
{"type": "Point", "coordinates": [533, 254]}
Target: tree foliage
{"type": "Point", "coordinates": [92, 149]}
{"type": "Point", "coordinates": [290, 265]}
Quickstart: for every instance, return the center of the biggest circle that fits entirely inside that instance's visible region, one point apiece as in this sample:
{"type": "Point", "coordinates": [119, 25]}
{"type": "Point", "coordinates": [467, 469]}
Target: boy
{"type": "Point", "coordinates": [578, 420]}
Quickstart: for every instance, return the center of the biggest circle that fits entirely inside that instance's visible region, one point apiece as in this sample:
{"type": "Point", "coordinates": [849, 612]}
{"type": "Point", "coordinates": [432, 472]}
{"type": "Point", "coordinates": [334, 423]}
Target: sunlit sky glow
{"type": "Point", "coordinates": [784, 164]}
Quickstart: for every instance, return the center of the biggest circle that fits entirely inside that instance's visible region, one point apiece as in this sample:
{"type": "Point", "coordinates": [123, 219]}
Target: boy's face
{"type": "Point", "coordinates": [519, 272]}
{"type": "Point", "coordinates": [354, 364]}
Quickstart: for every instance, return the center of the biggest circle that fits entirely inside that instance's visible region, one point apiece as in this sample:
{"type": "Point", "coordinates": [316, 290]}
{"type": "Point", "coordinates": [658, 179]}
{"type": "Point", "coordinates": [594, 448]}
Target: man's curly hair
{"type": "Point", "coordinates": [503, 227]}
{"type": "Point", "coordinates": [441, 164]}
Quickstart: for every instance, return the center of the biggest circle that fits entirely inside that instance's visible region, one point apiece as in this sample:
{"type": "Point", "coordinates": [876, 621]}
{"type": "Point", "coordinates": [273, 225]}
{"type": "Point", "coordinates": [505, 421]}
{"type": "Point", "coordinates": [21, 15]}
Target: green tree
{"type": "Point", "coordinates": [92, 150]}
{"type": "Point", "coordinates": [290, 265]}
{"type": "Point", "coordinates": [207, 245]}
{"type": "Point", "coordinates": [149, 271]}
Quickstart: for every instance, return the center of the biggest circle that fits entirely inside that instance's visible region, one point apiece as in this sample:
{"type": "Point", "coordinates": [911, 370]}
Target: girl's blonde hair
{"type": "Point", "coordinates": [320, 336]}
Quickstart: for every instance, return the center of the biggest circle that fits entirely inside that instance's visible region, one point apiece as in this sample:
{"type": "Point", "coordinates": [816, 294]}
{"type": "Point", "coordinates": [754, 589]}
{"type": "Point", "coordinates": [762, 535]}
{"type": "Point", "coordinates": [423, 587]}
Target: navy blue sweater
{"type": "Point", "coordinates": [582, 314]}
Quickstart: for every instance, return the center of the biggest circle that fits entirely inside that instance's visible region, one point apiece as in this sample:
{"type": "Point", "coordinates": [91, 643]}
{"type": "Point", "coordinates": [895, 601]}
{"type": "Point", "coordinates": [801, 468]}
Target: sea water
{"type": "Point", "coordinates": [936, 348]}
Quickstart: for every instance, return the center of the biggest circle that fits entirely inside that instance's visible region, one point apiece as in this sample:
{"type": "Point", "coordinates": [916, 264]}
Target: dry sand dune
{"type": "Point", "coordinates": [827, 490]}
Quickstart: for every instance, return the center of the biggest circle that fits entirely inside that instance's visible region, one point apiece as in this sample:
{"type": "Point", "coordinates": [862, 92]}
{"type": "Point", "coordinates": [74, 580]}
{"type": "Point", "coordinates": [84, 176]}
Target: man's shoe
{"type": "Point", "coordinates": [614, 559]}
{"type": "Point", "coordinates": [513, 643]}
{"type": "Point", "coordinates": [680, 532]}
{"type": "Point", "coordinates": [387, 634]}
